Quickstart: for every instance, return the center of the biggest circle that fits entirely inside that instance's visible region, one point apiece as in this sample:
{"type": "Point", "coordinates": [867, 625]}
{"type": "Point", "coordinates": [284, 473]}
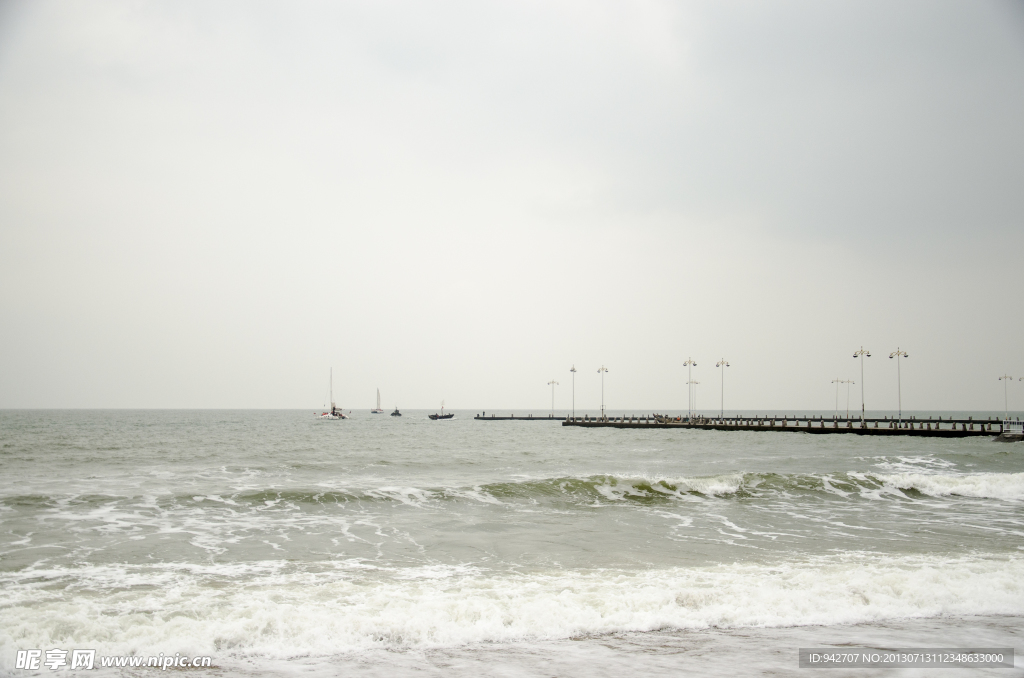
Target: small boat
{"type": "Point", "coordinates": [378, 410]}
{"type": "Point", "coordinates": [396, 413]}
{"type": "Point", "coordinates": [437, 416]}
{"type": "Point", "coordinates": [334, 412]}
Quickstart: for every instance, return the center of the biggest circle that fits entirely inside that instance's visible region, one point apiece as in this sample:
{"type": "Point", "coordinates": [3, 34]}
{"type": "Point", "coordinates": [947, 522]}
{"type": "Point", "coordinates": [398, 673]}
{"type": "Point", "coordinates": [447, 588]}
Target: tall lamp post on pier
{"type": "Point", "coordinates": [1006, 410]}
{"type": "Point", "coordinates": [837, 381]}
{"type": "Point", "coordinates": [899, 380]}
{"type": "Point", "coordinates": [601, 372]}
{"type": "Point", "coordinates": [573, 370]}
{"type": "Point", "coordinates": [848, 382]}
{"type": "Point", "coordinates": [693, 385]}
{"type": "Point", "coordinates": [552, 384]}
{"type": "Point", "coordinates": [723, 364]}
{"type": "Point", "coordinates": [689, 364]}
{"type": "Point", "coordinates": [861, 353]}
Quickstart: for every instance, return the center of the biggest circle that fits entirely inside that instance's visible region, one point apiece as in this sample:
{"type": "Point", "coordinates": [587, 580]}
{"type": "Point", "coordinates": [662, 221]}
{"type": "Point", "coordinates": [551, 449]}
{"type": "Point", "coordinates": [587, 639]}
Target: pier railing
{"type": "Point", "coordinates": [941, 427]}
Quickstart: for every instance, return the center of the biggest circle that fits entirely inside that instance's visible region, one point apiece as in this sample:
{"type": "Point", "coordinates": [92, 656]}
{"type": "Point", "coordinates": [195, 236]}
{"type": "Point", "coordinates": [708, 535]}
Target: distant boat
{"type": "Point", "coordinates": [396, 413]}
{"type": "Point", "coordinates": [437, 416]}
{"type": "Point", "coordinates": [334, 412]}
{"type": "Point", "coordinates": [378, 410]}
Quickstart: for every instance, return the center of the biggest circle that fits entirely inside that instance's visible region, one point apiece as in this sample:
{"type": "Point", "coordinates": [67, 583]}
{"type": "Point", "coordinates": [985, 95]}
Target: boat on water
{"type": "Point", "coordinates": [334, 412]}
{"type": "Point", "coordinates": [378, 410]}
{"type": "Point", "coordinates": [396, 413]}
{"type": "Point", "coordinates": [435, 416]}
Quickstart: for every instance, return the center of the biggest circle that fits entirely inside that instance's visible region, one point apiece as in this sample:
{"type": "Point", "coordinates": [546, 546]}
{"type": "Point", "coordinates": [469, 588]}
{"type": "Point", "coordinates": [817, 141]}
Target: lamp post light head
{"type": "Point", "coordinates": [572, 369]}
{"type": "Point", "coordinates": [722, 363]}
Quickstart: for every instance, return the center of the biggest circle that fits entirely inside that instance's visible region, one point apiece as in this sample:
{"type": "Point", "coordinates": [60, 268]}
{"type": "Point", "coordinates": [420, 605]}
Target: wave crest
{"type": "Point", "coordinates": [980, 485]}
{"type": "Point", "coordinates": [279, 612]}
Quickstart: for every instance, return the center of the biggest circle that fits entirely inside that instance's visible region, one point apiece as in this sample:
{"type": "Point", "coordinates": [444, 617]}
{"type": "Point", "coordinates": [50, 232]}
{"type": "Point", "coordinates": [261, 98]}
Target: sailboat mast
{"type": "Point", "coordinates": [332, 388]}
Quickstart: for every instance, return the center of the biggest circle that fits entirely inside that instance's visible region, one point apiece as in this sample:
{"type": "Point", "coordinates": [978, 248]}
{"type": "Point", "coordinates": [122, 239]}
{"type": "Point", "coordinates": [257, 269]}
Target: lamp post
{"type": "Point", "coordinates": [723, 364]}
{"type": "Point", "coordinates": [573, 370]}
{"type": "Point", "coordinates": [690, 364]}
{"type": "Point", "coordinates": [1006, 410]}
{"type": "Point", "coordinates": [862, 352]}
{"type": "Point", "coordinates": [848, 382]}
{"type": "Point", "coordinates": [837, 381]}
{"type": "Point", "coordinates": [899, 380]}
{"type": "Point", "coordinates": [552, 384]}
{"type": "Point", "coordinates": [693, 385]}
{"type": "Point", "coordinates": [601, 372]}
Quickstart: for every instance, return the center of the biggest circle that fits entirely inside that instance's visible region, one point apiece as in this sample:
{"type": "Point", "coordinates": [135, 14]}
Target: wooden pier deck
{"type": "Point", "coordinates": [512, 417]}
{"type": "Point", "coordinates": [936, 428]}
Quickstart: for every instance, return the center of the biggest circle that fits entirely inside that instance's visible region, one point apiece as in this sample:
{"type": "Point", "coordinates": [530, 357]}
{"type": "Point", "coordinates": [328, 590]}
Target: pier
{"type": "Point", "coordinates": [493, 417]}
{"type": "Point", "coordinates": [936, 428]}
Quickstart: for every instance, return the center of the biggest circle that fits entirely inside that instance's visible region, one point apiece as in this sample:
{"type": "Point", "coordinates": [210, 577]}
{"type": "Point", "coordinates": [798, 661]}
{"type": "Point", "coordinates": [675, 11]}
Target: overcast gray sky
{"type": "Point", "coordinates": [210, 204]}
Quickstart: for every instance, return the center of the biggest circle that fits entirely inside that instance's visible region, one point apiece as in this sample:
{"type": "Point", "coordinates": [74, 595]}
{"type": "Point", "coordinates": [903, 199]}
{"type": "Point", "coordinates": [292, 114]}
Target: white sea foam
{"type": "Point", "coordinates": [476, 494]}
{"type": "Point", "coordinates": [277, 610]}
{"type": "Point", "coordinates": [714, 485]}
{"type": "Point", "coordinates": [618, 487]}
{"type": "Point", "coordinates": [412, 496]}
{"type": "Point", "coordinates": [982, 485]}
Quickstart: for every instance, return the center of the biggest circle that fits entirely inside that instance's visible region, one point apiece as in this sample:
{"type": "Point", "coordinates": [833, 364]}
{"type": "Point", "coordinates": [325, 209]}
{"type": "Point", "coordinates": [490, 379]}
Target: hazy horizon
{"type": "Point", "coordinates": [559, 412]}
{"type": "Point", "coordinates": [209, 206]}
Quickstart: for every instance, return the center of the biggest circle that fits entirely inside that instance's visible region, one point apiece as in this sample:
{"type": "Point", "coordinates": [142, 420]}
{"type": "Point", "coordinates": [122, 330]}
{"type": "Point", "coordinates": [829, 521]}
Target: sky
{"type": "Point", "coordinates": [211, 205]}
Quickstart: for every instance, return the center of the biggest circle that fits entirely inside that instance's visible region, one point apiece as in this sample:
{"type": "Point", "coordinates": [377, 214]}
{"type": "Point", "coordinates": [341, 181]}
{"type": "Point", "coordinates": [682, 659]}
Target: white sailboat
{"type": "Point", "coordinates": [334, 412]}
{"type": "Point", "coordinates": [378, 410]}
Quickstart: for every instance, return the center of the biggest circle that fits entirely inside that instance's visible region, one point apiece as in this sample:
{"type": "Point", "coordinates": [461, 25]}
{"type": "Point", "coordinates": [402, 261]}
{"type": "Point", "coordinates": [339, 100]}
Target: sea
{"type": "Point", "coordinates": [279, 544]}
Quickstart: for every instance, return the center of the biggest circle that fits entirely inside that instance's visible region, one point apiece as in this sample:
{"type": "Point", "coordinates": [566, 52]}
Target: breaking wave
{"type": "Point", "coordinates": [982, 485]}
{"type": "Point", "coordinates": [609, 488]}
{"type": "Point", "coordinates": [276, 609]}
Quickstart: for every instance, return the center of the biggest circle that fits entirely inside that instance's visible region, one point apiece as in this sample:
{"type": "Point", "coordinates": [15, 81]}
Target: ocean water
{"type": "Point", "coordinates": [281, 544]}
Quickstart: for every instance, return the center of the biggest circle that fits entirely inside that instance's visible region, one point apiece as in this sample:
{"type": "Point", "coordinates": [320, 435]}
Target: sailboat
{"type": "Point", "coordinates": [437, 416]}
{"type": "Point", "coordinates": [334, 412]}
{"type": "Point", "coordinates": [378, 410]}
